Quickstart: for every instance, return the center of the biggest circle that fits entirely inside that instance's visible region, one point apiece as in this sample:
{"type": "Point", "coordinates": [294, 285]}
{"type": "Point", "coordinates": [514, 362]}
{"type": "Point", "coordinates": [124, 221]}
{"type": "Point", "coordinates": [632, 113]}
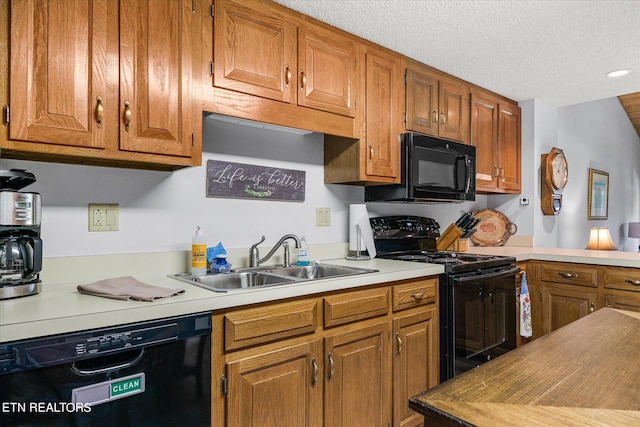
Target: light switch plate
{"type": "Point", "coordinates": [103, 217]}
{"type": "Point", "coordinates": [323, 217]}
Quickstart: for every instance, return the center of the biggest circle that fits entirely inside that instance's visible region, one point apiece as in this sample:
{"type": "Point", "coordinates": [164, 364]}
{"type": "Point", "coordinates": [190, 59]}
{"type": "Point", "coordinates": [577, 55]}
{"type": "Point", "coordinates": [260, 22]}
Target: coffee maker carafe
{"type": "Point", "coordinates": [20, 243]}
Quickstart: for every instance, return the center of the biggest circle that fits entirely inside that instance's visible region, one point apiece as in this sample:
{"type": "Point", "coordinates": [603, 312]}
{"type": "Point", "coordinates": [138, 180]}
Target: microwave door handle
{"type": "Point", "coordinates": [464, 159]}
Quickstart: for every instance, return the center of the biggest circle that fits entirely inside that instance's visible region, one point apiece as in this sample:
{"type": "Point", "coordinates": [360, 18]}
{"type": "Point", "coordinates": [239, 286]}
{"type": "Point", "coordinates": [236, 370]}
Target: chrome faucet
{"type": "Point", "coordinates": [254, 254]}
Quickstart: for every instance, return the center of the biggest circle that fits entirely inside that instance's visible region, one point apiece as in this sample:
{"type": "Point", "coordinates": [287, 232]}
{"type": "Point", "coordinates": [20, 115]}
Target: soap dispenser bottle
{"type": "Point", "coordinates": [303, 252]}
{"type": "Point", "coordinates": [198, 253]}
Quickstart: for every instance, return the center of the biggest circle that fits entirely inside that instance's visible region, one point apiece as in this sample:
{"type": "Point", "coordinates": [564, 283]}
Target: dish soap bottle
{"type": "Point", "coordinates": [198, 253]}
{"type": "Point", "coordinates": [303, 252]}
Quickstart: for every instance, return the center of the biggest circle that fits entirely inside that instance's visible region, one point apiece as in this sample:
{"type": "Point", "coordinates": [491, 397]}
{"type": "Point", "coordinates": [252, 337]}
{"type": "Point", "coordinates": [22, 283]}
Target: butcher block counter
{"type": "Point", "coordinates": [586, 373]}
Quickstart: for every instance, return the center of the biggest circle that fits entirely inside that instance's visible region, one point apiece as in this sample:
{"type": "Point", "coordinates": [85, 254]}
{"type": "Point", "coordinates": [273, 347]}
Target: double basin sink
{"type": "Point", "coordinates": [259, 277]}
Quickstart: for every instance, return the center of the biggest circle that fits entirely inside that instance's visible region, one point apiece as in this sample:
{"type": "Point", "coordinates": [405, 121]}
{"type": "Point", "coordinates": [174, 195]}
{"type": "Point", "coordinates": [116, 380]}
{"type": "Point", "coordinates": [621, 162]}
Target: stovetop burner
{"type": "Point", "coordinates": [409, 238]}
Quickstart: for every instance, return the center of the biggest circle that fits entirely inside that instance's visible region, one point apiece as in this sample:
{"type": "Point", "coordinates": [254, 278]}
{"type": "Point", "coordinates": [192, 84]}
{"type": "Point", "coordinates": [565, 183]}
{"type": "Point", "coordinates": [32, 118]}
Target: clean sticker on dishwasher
{"type": "Point", "coordinates": [106, 391]}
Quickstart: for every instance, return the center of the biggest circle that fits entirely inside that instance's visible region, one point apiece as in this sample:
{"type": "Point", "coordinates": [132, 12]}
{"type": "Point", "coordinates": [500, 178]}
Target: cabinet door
{"type": "Point", "coordinates": [61, 63]}
{"type": "Point", "coordinates": [422, 102]}
{"type": "Point", "coordinates": [279, 389]}
{"type": "Point", "coordinates": [326, 71]}
{"type": "Point", "coordinates": [357, 368]}
{"type": "Point", "coordinates": [484, 136]}
{"type": "Point", "coordinates": [415, 362]}
{"type": "Point", "coordinates": [157, 65]}
{"type": "Point", "coordinates": [562, 306]}
{"type": "Point", "coordinates": [509, 146]}
{"type": "Point", "coordinates": [254, 52]}
{"type": "Point", "coordinates": [628, 301]}
{"type": "Point", "coordinates": [383, 105]}
{"type": "Point", "coordinates": [453, 115]}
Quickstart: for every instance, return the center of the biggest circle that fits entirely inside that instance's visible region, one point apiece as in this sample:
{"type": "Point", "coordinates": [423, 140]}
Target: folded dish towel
{"type": "Point", "coordinates": [127, 288]}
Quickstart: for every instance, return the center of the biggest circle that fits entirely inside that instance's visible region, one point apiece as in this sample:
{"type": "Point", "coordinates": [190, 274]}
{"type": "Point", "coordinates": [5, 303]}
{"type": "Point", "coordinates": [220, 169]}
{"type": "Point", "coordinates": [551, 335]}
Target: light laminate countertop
{"type": "Point", "coordinates": [59, 308]}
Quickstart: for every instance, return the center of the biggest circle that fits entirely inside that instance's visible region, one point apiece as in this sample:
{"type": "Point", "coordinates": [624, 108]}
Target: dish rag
{"type": "Point", "coordinates": [525, 308]}
{"type": "Point", "coordinates": [127, 288]}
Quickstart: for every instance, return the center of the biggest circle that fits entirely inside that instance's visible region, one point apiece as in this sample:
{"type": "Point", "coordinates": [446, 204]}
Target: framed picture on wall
{"type": "Point", "coordinates": [598, 194]}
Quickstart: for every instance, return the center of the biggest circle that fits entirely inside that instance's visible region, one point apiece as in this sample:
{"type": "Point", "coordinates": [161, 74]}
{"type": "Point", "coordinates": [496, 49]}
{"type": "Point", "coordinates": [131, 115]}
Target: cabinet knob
{"type": "Point", "coordinates": [314, 379]}
{"type": "Point", "coordinates": [418, 295]}
{"type": "Point", "coordinates": [99, 112]}
{"type": "Point", "coordinates": [592, 308]}
{"type": "Point", "coordinates": [127, 116]}
{"type": "Point", "coordinates": [569, 275]}
{"type": "Point", "coordinates": [287, 78]}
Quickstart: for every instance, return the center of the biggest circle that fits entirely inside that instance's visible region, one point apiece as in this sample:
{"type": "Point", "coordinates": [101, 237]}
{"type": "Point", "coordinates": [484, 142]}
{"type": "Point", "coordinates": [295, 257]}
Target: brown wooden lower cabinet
{"type": "Point", "coordinates": [338, 373]}
{"type": "Point", "coordinates": [562, 306]}
{"type": "Point", "coordinates": [357, 385]}
{"type": "Point", "coordinates": [278, 388]}
{"type": "Point", "coordinates": [415, 362]}
{"type": "Point", "coordinates": [622, 301]}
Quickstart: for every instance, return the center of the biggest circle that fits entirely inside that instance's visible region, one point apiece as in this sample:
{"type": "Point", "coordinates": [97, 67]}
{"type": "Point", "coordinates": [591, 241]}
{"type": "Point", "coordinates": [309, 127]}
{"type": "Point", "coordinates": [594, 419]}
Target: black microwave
{"type": "Point", "coordinates": [432, 170]}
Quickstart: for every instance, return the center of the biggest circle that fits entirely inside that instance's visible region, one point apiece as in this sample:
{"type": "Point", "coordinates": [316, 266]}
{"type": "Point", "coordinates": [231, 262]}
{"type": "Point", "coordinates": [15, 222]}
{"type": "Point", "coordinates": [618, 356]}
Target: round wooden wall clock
{"type": "Point", "coordinates": [554, 174]}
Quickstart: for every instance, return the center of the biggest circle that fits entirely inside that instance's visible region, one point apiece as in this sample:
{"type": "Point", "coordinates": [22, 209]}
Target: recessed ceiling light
{"type": "Point", "coordinates": [617, 73]}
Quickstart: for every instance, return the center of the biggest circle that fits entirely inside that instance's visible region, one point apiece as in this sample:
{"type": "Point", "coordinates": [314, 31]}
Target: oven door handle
{"type": "Point", "coordinates": [487, 275]}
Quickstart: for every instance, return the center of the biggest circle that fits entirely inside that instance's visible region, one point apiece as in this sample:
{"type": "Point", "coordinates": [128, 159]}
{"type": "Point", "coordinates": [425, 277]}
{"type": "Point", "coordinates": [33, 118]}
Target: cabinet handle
{"type": "Point", "coordinates": [127, 116]}
{"type": "Point", "coordinates": [418, 295]}
{"type": "Point", "coordinates": [303, 79]}
{"type": "Point", "coordinates": [633, 282]}
{"type": "Point", "coordinates": [314, 380]}
{"type": "Point", "coordinates": [496, 171]}
{"type": "Point", "coordinates": [592, 308]}
{"type": "Point", "coordinates": [435, 117]}
{"type": "Point", "coordinates": [331, 367]}
{"type": "Point", "coordinates": [443, 118]}
{"type": "Point", "coordinates": [501, 172]}
{"type": "Point", "coordinates": [287, 77]}
{"type": "Point", "coordinates": [99, 112]}
{"type": "Point", "coordinates": [569, 275]}
{"type": "Point", "coordinates": [399, 342]}
{"type": "Point", "coordinates": [370, 152]}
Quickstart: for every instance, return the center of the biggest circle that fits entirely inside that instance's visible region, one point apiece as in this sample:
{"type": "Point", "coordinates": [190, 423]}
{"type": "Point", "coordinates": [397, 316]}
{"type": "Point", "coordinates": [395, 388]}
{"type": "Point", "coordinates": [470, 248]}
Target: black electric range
{"type": "Point", "coordinates": [477, 293]}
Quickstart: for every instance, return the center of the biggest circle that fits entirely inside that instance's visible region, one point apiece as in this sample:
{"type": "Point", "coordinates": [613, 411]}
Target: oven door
{"type": "Point", "coordinates": [480, 319]}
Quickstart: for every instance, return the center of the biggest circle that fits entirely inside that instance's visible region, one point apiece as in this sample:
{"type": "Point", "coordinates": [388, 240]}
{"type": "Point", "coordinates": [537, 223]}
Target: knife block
{"type": "Point", "coordinates": [448, 238]}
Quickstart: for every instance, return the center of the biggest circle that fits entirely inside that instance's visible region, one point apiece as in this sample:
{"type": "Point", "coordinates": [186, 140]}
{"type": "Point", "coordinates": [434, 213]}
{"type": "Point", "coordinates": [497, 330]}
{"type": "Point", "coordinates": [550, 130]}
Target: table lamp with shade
{"type": "Point", "coordinates": [600, 239]}
{"type": "Point", "coordinates": [634, 231]}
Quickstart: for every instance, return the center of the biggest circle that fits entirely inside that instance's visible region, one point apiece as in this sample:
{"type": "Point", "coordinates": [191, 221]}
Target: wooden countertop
{"type": "Point", "coordinates": [586, 373]}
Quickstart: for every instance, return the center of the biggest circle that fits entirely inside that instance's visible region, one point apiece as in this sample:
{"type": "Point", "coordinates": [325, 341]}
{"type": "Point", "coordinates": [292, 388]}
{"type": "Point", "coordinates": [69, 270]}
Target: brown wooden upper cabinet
{"type": "Point", "coordinates": [105, 82]}
{"type": "Point", "coordinates": [259, 50]}
{"type": "Point", "coordinates": [495, 131]}
{"type": "Point", "coordinates": [436, 105]}
{"type": "Point", "coordinates": [375, 156]}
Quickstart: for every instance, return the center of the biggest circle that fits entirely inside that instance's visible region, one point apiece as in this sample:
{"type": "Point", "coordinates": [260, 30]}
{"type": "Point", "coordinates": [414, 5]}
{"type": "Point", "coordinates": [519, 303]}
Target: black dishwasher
{"type": "Point", "coordinates": [155, 373]}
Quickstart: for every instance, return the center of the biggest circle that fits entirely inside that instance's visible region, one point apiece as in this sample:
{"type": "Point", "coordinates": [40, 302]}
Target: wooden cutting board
{"type": "Point", "coordinates": [494, 228]}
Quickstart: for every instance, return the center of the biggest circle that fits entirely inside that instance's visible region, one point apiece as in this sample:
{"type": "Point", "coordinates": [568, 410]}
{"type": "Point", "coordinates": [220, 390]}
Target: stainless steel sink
{"type": "Point", "coordinates": [323, 271]}
{"type": "Point", "coordinates": [254, 277]}
{"type": "Point", "coordinates": [223, 282]}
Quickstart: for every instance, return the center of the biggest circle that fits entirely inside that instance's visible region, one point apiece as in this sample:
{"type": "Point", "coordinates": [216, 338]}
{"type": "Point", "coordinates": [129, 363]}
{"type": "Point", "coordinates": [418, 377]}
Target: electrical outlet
{"type": "Point", "coordinates": [323, 217]}
{"type": "Point", "coordinates": [103, 217]}
{"type": "Point", "coordinates": [524, 201]}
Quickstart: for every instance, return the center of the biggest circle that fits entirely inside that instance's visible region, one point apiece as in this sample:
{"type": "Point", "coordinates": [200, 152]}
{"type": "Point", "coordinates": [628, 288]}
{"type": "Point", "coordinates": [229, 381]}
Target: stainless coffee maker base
{"type": "Point", "coordinates": [20, 290]}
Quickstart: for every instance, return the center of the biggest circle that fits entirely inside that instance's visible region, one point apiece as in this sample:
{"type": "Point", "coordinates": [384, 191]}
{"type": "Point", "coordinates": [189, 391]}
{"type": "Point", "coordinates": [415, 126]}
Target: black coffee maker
{"type": "Point", "coordinates": [20, 243]}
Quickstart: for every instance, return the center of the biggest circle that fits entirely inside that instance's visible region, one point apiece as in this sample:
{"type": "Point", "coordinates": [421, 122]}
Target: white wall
{"type": "Point", "coordinates": [593, 135]}
{"type": "Point", "coordinates": [160, 210]}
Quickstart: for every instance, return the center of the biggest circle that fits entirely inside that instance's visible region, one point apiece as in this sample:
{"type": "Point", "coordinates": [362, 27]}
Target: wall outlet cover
{"type": "Point", "coordinates": [103, 217]}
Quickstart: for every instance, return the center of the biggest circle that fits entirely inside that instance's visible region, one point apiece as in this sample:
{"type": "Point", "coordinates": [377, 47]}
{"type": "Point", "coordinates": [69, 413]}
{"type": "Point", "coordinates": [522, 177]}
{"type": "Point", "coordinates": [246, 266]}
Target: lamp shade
{"type": "Point", "coordinates": [634, 230]}
{"type": "Point", "coordinates": [600, 239]}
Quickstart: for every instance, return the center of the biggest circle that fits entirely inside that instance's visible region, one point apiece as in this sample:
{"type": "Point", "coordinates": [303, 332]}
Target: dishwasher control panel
{"type": "Point", "coordinates": [67, 348]}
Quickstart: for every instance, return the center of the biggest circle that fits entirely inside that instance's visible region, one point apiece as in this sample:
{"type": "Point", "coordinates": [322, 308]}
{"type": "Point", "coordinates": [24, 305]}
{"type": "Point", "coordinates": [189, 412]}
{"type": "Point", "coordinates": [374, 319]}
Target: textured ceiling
{"type": "Point", "coordinates": [554, 50]}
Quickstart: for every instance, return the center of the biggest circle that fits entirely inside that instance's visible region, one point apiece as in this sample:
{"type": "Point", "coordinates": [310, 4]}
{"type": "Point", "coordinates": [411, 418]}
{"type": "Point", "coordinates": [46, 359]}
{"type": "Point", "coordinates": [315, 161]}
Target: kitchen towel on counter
{"type": "Point", "coordinates": [127, 288]}
{"type": "Point", "coordinates": [525, 308]}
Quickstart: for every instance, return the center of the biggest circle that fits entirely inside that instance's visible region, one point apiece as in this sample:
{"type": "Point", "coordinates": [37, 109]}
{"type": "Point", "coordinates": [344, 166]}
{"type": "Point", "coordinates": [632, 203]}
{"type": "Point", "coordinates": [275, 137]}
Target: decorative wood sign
{"type": "Point", "coordinates": [243, 181]}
